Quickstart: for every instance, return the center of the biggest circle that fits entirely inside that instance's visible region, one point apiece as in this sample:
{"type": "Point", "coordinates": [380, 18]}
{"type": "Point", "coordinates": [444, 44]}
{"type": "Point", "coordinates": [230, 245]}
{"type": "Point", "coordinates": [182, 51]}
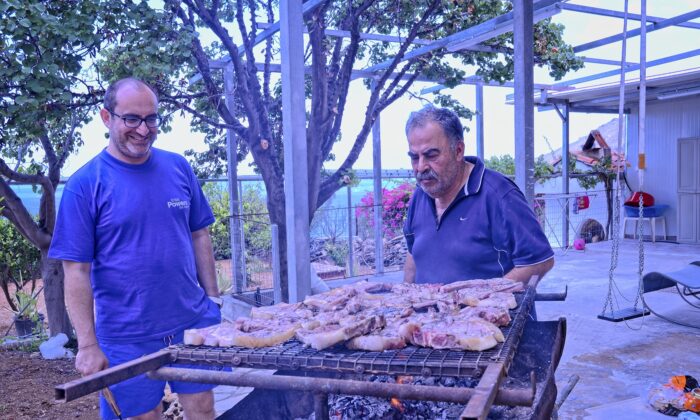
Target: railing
{"type": "Point", "coordinates": [342, 232]}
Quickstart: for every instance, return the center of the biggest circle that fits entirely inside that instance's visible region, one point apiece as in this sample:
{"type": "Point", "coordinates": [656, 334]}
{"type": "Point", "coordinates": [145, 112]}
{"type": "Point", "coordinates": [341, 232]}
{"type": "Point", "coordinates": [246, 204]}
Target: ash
{"type": "Point", "coordinates": [361, 407]}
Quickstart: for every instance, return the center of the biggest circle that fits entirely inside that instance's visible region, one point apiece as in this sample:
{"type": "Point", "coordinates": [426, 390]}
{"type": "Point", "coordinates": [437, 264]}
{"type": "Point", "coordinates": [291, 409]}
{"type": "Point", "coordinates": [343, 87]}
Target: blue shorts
{"type": "Point", "coordinates": [140, 394]}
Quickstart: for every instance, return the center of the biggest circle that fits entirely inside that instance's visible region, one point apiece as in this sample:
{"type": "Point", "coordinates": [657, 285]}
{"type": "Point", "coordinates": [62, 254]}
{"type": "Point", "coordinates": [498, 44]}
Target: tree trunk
{"type": "Point", "coordinates": [52, 274]}
{"type": "Point", "coordinates": [276, 211]}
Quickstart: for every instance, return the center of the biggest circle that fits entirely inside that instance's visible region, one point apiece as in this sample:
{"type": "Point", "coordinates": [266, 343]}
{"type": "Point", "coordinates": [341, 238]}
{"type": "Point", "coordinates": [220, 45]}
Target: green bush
{"type": "Point", "coordinates": [19, 262]}
{"type": "Point", "coordinates": [338, 252]}
{"type": "Point", "coordinates": [217, 195]}
{"type": "Point", "coordinates": [256, 224]}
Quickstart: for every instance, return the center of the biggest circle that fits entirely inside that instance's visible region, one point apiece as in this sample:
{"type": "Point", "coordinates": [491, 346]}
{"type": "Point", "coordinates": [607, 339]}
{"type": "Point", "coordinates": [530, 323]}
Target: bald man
{"type": "Point", "coordinates": [132, 232]}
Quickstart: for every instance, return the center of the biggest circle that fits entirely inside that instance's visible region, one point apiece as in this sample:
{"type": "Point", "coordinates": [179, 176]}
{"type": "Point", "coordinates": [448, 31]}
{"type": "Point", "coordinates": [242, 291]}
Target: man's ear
{"type": "Point", "coordinates": [105, 115]}
{"type": "Point", "coordinates": [459, 149]}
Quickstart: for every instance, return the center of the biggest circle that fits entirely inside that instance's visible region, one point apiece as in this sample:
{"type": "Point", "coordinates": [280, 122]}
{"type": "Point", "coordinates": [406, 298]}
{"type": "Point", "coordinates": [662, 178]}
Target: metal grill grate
{"type": "Point", "coordinates": [411, 360]}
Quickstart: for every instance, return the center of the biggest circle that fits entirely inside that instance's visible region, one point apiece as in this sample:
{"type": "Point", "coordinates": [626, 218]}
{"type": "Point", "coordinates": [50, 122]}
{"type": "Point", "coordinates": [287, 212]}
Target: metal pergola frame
{"type": "Point", "coordinates": [519, 21]}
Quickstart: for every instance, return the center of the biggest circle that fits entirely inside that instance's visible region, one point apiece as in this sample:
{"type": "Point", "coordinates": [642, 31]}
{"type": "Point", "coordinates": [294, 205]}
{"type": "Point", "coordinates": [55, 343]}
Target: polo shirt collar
{"type": "Point", "coordinates": [473, 185]}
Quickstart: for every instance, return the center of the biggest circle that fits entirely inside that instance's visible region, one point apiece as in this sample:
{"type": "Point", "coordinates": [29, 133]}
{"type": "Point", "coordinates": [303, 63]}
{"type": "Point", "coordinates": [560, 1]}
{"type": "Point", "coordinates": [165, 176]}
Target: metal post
{"type": "Point", "coordinates": [237, 259]}
{"type": "Point", "coordinates": [244, 268]}
{"type": "Point", "coordinates": [480, 120]}
{"type": "Point", "coordinates": [565, 174]}
{"type": "Point", "coordinates": [321, 406]}
{"type": "Point", "coordinates": [296, 179]}
{"type": "Point", "coordinates": [378, 201]}
{"type": "Point", "coordinates": [276, 286]}
{"type": "Point", "coordinates": [351, 252]}
{"type": "Point", "coordinates": [524, 101]}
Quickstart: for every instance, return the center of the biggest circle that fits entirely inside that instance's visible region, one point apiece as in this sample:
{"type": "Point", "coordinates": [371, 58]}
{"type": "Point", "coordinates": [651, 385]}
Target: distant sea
{"type": "Point", "coordinates": [31, 199]}
{"type": "Point", "coordinates": [339, 200]}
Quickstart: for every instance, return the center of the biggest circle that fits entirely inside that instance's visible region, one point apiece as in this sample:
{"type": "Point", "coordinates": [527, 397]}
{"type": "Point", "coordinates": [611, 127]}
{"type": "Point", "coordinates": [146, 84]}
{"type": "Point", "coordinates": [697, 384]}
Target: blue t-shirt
{"type": "Point", "coordinates": [486, 231]}
{"type": "Point", "coordinates": [134, 224]}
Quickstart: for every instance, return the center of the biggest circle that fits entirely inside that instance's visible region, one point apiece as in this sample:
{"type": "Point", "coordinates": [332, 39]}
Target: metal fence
{"type": "Point", "coordinates": [342, 233]}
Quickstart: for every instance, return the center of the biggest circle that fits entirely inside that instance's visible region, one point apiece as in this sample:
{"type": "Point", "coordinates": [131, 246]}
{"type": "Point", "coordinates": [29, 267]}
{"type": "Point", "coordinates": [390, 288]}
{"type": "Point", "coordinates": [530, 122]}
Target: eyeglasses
{"type": "Point", "coordinates": [132, 121]}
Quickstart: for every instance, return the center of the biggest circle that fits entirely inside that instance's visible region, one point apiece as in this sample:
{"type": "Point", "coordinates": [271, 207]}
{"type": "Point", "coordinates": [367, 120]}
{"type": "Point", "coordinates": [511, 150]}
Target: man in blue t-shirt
{"type": "Point", "coordinates": [137, 257]}
{"type": "Point", "coordinates": [465, 221]}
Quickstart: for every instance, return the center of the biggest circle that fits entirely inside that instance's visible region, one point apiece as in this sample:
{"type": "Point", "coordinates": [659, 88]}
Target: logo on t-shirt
{"type": "Point", "coordinates": [178, 204]}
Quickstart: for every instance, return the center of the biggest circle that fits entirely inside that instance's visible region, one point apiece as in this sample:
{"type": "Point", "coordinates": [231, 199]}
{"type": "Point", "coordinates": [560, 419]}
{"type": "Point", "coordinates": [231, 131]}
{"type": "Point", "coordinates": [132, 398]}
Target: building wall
{"type": "Point", "coordinates": [666, 122]}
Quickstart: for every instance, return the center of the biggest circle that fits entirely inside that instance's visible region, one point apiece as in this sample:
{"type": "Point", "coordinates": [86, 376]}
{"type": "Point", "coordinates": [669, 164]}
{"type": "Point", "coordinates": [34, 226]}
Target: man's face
{"type": "Point", "coordinates": [131, 145]}
{"type": "Point", "coordinates": [436, 166]}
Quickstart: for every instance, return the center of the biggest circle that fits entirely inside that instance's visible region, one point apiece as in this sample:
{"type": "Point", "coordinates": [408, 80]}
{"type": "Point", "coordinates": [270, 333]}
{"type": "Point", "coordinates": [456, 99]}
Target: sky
{"type": "Point", "coordinates": [498, 116]}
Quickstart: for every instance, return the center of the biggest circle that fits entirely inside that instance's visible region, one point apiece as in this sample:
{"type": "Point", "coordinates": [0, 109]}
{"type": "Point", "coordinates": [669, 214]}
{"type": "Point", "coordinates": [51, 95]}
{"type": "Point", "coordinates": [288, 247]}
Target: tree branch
{"type": "Point", "coordinates": [15, 211]}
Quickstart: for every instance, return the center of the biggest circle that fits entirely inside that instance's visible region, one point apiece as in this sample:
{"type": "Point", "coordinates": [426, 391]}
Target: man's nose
{"type": "Point", "coordinates": [421, 164]}
{"type": "Point", "coordinates": [143, 129]}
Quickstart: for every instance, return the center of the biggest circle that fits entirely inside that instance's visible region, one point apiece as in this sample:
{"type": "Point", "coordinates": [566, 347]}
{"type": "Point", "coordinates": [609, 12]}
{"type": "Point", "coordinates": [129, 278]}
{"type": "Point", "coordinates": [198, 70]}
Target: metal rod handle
{"type": "Point", "coordinates": [514, 397]}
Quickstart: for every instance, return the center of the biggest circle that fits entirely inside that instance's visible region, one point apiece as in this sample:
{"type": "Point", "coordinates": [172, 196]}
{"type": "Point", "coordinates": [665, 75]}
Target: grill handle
{"type": "Point", "coordinates": [550, 297]}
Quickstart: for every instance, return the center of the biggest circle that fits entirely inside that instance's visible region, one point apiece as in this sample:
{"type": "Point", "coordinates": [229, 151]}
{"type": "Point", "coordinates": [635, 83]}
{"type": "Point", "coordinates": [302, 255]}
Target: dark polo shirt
{"type": "Point", "coordinates": [486, 231]}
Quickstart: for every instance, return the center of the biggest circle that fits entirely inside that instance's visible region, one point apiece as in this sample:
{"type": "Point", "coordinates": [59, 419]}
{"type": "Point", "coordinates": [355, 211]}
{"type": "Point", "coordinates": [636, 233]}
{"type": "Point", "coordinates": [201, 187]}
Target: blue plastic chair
{"type": "Point", "coordinates": [649, 214]}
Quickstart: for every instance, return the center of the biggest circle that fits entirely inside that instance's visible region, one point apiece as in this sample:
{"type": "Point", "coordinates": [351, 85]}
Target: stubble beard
{"type": "Point", "coordinates": [443, 183]}
{"type": "Point", "coordinates": [126, 147]}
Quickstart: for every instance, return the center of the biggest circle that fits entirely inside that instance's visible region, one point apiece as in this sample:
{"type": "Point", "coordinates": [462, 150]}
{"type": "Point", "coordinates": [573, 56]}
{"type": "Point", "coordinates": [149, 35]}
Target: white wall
{"type": "Point", "coordinates": [666, 122]}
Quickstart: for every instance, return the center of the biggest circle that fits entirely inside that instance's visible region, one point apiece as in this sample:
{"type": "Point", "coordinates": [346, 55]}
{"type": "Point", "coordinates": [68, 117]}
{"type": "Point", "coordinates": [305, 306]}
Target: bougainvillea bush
{"type": "Point", "coordinates": [394, 208]}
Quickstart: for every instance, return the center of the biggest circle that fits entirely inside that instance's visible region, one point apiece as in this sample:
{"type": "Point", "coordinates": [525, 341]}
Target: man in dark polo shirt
{"type": "Point", "coordinates": [465, 221]}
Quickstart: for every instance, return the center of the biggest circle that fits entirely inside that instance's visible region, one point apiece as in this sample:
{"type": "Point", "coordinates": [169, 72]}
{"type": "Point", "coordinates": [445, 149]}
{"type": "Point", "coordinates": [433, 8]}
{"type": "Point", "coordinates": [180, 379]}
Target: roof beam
{"type": "Point", "coordinates": [271, 30]}
{"type": "Point", "coordinates": [635, 32]}
{"type": "Point", "coordinates": [469, 33]}
{"type": "Point", "coordinates": [621, 15]}
{"type": "Point", "coordinates": [634, 67]}
{"type": "Point", "coordinates": [361, 74]}
{"type": "Point", "coordinates": [501, 28]}
{"type": "Point", "coordinates": [604, 61]}
{"type": "Point", "coordinates": [363, 35]}
{"type": "Point", "coordinates": [473, 80]}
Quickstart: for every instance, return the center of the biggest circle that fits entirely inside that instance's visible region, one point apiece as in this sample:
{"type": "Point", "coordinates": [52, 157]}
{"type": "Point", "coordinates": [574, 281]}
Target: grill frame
{"type": "Point", "coordinates": [411, 360]}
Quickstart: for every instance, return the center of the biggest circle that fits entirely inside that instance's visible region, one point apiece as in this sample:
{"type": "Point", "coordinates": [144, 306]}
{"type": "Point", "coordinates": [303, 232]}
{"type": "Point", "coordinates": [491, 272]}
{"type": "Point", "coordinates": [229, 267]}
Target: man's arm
{"type": "Point", "coordinates": [409, 269]}
{"type": "Point", "coordinates": [79, 303]}
{"type": "Point", "coordinates": [204, 258]}
{"type": "Point", "coordinates": [524, 273]}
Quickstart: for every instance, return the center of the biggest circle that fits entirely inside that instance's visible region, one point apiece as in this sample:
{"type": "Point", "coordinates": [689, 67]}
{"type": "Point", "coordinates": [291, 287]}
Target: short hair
{"type": "Point", "coordinates": [445, 118]}
{"type": "Point", "coordinates": [110, 101]}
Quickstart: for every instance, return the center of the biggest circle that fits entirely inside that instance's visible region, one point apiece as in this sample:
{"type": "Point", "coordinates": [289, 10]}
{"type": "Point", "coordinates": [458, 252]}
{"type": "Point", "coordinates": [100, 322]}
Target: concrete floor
{"type": "Point", "coordinates": [616, 362]}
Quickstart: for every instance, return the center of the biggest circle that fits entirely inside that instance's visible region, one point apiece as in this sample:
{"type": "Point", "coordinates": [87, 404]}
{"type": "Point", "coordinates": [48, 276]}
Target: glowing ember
{"type": "Point", "coordinates": [396, 403]}
{"type": "Point", "coordinates": [400, 379]}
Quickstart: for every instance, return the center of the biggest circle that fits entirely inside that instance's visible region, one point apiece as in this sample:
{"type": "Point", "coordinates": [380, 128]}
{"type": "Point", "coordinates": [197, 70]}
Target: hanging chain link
{"type": "Point", "coordinates": [641, 249]}
{"type": "Point", "coordinates": [608, 303]}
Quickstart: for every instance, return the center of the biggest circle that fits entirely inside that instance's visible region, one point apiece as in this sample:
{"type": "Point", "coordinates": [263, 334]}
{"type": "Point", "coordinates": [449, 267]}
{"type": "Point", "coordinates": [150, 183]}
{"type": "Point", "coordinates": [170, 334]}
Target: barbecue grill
{"type": "Point", "coordinates": [489, 366]}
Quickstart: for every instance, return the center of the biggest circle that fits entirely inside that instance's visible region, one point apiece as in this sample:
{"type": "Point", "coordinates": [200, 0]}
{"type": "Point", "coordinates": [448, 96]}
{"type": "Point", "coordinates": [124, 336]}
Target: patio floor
{"type": "Point", "coordinates": [616, 362]}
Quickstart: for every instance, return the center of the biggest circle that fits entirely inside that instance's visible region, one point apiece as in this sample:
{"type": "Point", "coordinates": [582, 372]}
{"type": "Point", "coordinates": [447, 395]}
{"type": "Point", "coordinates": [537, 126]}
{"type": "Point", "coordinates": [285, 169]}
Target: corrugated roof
{"type": "Point", "coordinates": [606, 96]}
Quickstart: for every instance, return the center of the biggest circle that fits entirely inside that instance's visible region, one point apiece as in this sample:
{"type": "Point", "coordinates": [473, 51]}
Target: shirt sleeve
{"type": "Point", "coordinates": [519, 232]}
{"type": "Point", "coordinates": [201, 214]}
{"type": "Point", "coordinates": [74, 234]}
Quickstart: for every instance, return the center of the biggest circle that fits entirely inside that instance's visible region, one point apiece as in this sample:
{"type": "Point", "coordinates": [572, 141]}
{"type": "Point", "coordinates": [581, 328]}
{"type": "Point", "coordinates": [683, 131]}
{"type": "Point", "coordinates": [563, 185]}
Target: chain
{"type": "Point", "coordinates": [615, 249]}
{"type": "Point", "coordinates": [641, 250]}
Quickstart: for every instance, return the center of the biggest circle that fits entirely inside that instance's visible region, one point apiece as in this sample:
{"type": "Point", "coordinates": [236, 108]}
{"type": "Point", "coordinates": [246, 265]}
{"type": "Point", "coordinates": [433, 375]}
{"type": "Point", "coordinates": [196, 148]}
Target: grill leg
{"type": "Point", "coordinates": [321, 406]}
{"type": "Point", "coordinates": [485, 393]}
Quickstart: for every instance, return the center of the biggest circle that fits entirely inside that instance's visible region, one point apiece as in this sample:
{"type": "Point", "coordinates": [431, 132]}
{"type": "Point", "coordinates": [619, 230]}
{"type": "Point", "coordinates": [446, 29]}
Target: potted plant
{"type": "Point", "coordinates": [19, 271]}
{"type": "Point", "coordinates": [27, 318]}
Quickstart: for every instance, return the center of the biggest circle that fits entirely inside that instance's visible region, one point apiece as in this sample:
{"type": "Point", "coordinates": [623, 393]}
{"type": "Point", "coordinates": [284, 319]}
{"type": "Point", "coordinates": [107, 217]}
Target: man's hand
{"type": "Point", "coordinates": [91, 360]}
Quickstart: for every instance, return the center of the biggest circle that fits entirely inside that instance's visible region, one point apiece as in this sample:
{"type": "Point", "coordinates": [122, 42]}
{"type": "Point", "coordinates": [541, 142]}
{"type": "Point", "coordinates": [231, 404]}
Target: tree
{"type": "Point", "coordinates": [256, 117]}
{"type": "Point", "coordinates": [506, 165]}
{"type": "Point", "coordinates": [46, 96]}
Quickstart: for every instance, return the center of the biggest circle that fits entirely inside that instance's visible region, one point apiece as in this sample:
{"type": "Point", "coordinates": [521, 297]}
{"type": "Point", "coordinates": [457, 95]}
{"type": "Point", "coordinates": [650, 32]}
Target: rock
{"type": "Point", "coordinates": [53, 348]}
